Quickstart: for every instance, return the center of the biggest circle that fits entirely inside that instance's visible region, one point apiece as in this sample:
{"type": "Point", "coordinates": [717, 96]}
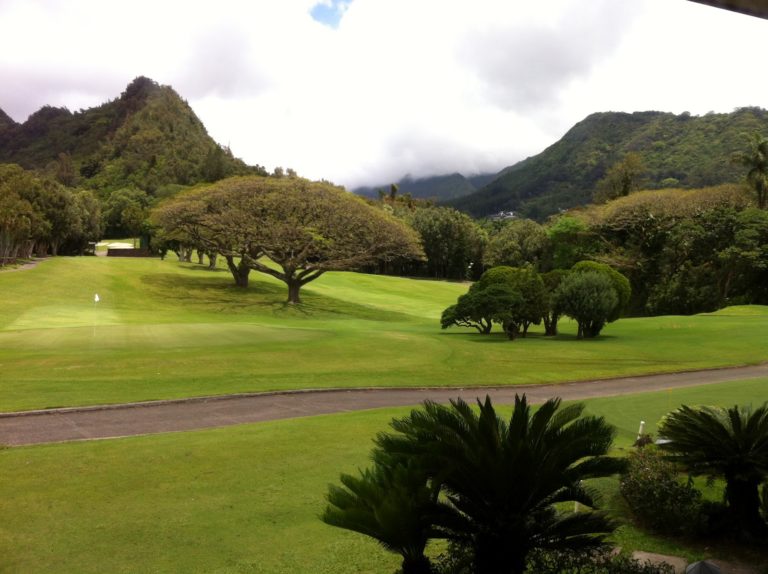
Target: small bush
{"type": "Point", "coordinates": [643, 440]}
{"type": "Point", "coordinates": [603, 560]}
{"type": "Point", "coordinates": [589, 298]}
{"type": "Point", "coordinates": [657, 497]}
{"type": "Point", "coordinates": [600, 561]}
{"type": "Point", "coordinates": [457, 559]}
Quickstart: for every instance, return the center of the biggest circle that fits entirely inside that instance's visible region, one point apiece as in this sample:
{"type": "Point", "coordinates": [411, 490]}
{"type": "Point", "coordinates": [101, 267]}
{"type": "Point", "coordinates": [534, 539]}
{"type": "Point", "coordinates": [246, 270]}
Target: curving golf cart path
{"type": "Point", "coordinates": [111, 421]}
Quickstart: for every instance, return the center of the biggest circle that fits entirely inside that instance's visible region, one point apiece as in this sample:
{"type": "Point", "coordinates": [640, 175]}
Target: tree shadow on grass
{"type": "Point", "coordinates": [198, 267]}
{"type": "Point", "coordinates": [216, 294]}
{"type": "Point", "coordinates": [499, 337]}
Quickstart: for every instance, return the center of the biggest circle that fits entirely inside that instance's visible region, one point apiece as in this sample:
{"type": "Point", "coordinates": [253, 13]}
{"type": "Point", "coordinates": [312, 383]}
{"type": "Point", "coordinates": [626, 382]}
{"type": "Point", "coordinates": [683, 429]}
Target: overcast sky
{"type": "Point", "coordinates": [364, 91]}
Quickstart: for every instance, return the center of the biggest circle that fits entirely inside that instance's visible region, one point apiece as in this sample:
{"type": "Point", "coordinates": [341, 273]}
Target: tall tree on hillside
{"type": "Point", "coordinates": [520, 242]}
{"type": "Point", "coordinates": [621, 179]}
{"type": "Point", "coordinates": [755, 159]}
{"type": "Point", "coordinates": [16, 220]}
{"type": "Point", "coordinates": [452, 241]}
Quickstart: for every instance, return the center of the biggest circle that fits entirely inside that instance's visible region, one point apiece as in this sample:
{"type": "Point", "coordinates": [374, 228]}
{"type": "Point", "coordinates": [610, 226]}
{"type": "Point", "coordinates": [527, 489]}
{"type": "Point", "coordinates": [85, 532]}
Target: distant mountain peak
{"type": "Point", "coordinates": [5, 120]}
{"type": "Point", "coordinates": [442, 187]}
{"type": "Point", "coordinates": [149, 137]}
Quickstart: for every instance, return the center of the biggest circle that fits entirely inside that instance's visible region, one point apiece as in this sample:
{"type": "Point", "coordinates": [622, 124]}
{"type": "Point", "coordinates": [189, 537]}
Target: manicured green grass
{"type": "Point", "coordinates": [165, 330]}
{"type": "Point", "coordinates": [239, 499]}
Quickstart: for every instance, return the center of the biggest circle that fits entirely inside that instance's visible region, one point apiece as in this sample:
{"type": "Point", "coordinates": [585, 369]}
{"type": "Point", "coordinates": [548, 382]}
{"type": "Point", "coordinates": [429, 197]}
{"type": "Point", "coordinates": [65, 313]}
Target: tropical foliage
{"type": "Point", "coordinates": [659, 498]}
{"type": "Point", "coordinates": [40, 216]}
{"type": "Point", "coordinates": [392, 502]}
{"type": "Point", "coordinates": [501, 481]}
{"type": "Point", "coordinates": [730, 443]}
{"type": "Point", "coordinates": [452, 241]}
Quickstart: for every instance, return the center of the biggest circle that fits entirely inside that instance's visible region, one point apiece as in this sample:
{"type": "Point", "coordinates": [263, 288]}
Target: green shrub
{"type": "Point", "coordinates": [600, 561]}
{"type": "Point", "coordinates": [603, 560]}
{"type": "Point", "coordinates": [620, 284]}
{"type": "Point", "coordinates": [659, 500]}
{"type": "Point", "coordinates": [589, 298]}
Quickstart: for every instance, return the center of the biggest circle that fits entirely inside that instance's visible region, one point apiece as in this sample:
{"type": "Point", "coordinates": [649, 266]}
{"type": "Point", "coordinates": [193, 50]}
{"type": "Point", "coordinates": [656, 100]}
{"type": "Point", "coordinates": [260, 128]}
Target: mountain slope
{"type": "Point", "coordinates": [5, 121]}
{"type": "Point", "coordinates": [677, 151]}
{"type": "Point", "coordinates": [148, 137]}
{"type": "Point", "coordinates": [438, 187]}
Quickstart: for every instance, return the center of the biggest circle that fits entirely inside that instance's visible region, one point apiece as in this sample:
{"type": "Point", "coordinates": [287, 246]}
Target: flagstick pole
{"type": "Point", "coordinates": [95, 301]}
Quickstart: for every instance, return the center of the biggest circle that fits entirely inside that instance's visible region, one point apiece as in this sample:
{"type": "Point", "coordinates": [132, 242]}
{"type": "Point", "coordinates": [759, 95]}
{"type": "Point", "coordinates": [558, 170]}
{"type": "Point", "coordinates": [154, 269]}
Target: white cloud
{"type": "Point", "coordinates": [400, 86]}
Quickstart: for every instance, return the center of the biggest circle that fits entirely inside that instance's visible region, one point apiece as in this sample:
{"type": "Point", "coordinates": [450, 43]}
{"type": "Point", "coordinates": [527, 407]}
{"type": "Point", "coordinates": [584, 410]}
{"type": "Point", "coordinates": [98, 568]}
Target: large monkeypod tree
{"type": "Point", "coordinates": [295, 230]}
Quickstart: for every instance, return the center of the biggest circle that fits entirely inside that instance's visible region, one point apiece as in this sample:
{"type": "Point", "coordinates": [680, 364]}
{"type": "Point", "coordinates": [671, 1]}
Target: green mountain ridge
{"type": "Point", "coordinates": [682, 151]}
{"type": "Point", "coordinates": [149, 137]}
{"type": "Point", "coordinates": [5, 121]}
{"type": "Point", "coordinates": [438, 187]}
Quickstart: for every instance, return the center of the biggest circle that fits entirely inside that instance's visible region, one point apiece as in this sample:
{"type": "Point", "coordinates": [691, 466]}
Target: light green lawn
{"type": "Point", "coordinates": [164, 330]}
{"type": "Point", "coordinates": [238, 499]}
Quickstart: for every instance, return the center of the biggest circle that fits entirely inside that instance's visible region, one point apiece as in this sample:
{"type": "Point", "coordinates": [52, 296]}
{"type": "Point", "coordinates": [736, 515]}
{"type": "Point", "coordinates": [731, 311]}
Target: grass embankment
{"type": "Point", "coordinates": [240, 499]}
{"type": "Point", "coordinates": [164, 330]}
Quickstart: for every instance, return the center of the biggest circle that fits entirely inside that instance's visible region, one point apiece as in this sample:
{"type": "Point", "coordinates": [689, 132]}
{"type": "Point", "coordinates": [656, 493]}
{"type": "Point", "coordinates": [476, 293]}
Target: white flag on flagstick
{"type": "Point", "coordinates": [96, 298]}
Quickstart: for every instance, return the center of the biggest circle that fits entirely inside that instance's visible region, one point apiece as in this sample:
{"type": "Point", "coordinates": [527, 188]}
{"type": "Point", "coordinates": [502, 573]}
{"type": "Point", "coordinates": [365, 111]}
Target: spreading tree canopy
{"type": "Point", "coordinates": [294, 229]}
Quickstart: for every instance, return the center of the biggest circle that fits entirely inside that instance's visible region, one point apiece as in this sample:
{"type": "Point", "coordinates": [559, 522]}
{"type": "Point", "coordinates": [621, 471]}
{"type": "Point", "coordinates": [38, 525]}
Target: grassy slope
{"type": "Point", "coordinates": [238, 499]}
{"type": "Point", "coordinates": [165, 330]}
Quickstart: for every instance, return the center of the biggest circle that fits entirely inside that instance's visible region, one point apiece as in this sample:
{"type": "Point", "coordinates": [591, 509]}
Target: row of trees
{"type": "Point", "coordinates": [40, 216]}
{"type": "Point", "coordinates": [687, 251]}
{"type": "Point", "coordinates": [591, 293]}
{"type": "Point", "coordinates": [684, 251]}
{"type": "Point", "coordinates": [289, 228]}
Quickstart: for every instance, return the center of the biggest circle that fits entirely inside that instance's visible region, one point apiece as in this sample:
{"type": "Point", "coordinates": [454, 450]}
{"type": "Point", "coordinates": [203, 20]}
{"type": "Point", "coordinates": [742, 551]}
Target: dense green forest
{"type": "Point", "coordinates": [147, 138]}
{"type": "Point", "coordinates": [675, 151]}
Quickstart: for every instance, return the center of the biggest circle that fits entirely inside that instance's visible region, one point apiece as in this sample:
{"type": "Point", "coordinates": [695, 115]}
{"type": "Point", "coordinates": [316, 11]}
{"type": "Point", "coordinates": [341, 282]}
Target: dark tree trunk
{"type": "Point", "coordinates": [744, 503]}
{"type": "Point", "coordinates": [499, 557]}
{"type": "Point", "coordinates": [512, 330]}
{"type": "Point", "coordinates": [550, 325]}
{"type": "Point", "coordinates": [239, 271]}
{"type": "Point", "coordinates": [416, 565]}
{"type": "Point", "coordinates": [200, 257]}
{"type": "Point", "coordinates": [293, 291]}
{"type": "Point", "coordinates": [212, 260]}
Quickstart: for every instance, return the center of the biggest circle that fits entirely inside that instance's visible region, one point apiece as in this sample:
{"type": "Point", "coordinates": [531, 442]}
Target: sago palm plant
{"type": "Point", "coordinates": [393, 503]}
{"type": "Point", "coordinates": [503, 480]}
{"type": "Point", "coordinates": [731, 443]}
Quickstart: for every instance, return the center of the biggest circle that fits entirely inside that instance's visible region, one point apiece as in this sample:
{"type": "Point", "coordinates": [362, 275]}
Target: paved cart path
{"type": "Point", "coordinates": [84, 423]}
